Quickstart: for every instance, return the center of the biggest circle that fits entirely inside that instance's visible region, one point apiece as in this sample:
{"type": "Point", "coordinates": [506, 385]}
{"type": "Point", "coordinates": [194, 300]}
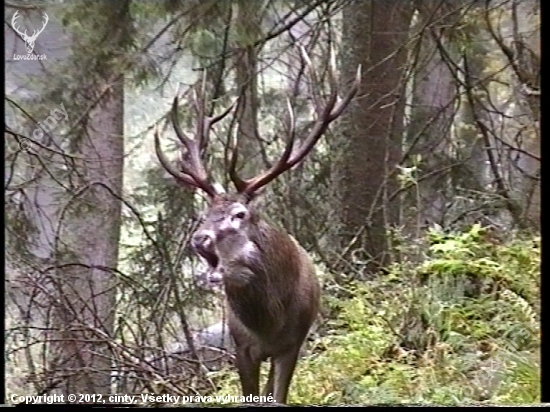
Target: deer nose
{"type": "Point", "coordinates": [203, 240]}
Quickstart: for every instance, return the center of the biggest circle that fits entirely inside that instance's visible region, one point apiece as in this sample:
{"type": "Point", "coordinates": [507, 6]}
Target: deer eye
{"type": "Point", "coordinates": [239, 215]}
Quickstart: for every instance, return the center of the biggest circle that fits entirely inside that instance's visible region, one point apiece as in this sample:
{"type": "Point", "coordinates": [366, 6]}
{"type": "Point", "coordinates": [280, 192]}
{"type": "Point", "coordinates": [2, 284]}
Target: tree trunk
{"type": "Point", "coordinates": [434, 93]}
{"type": "Point", "coordinates": [87, 245]}
{"type": "Point", "coordinates": [90, 236]}
{"type": "Point", "coordinates": [248, 27]}
{"type": "Point", "coordinates": [474, 175]}
{"type": "Point", "coordinates": [526, 54]}
{"type": "Point", "coordinates": [369, 148]}
{"type": "Point", "coordinates": [64, 283]}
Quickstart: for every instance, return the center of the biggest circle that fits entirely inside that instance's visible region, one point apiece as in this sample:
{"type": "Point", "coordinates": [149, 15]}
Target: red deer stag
{"type": "Point", "coordinates": [272, 291]}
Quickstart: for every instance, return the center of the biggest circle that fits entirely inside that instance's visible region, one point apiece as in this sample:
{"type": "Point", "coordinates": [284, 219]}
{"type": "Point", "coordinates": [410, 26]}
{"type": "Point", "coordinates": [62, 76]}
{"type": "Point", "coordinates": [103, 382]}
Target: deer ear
{"type": "Point", "coordinates": [253, 203]}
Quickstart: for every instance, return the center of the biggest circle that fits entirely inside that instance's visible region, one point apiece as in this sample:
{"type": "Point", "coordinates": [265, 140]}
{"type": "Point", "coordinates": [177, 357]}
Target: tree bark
{"type": "Point", "coordinates": [434, 93]}
{"type": "Point", "coordinates": [526, 172]}
{"type": "Point", "coordinates": [369, 147]}
{"type": "Point", "coordinates": [248, 26]}
{"type": "Point", "coordinates": [88, 237]}
{"type": "Point", "coordinates": [90, 234]}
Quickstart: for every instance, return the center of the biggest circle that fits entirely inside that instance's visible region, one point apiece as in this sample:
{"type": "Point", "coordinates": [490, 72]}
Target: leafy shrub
{"type": "Point", "coordinates": [462, 326]}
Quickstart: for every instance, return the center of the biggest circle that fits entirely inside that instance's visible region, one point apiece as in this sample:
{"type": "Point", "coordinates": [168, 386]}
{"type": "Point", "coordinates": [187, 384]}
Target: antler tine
{"type": "Point", "coordinates": [15, 26]}
{"type": "Point", "coordinates": [291, 128]}
{"type": "Point", "coordinates": [330, 112]}
{"type": "Point", "coordinates": [314, 80]}
{"type": "Point", "coordinates": [190, 144]}
{"type": "Point", "coordinates": [200, 105]}
{"type": "Point", "coordinates": [342, 104]}
{"type": "Point", "coordinates": [291, 137]}
{"type": "Point", "coordinates": [193, 170]}
{"type": "Point", "coordinates": [211, 121]}
{"type": "Point", "coordinates": [325, 115]}
{"type": "Point", "coordinates": [181, 177]}
{"type": "Point", "coordinates": [46, 20]}
{"type": "Point", "coordinates": [239, 183]}
{"type": "Point", "coordinates": [205, 123]}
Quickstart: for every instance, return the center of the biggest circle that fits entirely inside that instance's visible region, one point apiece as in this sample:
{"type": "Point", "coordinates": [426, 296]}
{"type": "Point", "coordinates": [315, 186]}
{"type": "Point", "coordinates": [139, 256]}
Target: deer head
{"type": "Point", "coordinates": [270, 284]}
{"type": "Point", "coordinates": [29, 40]}
{"type": "Point", "coordinates": [194, 175]}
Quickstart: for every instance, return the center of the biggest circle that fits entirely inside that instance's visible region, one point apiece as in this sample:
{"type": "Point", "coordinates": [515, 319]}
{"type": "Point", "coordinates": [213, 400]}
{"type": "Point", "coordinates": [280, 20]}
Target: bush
{"type": "Point", "coordinates": [462, 326]}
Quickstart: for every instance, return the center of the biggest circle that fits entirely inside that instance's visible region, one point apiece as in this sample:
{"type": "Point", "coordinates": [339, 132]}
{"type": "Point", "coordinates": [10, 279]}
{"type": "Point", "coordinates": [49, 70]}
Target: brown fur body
{"type": "Point", "coordinates": [272, 295]}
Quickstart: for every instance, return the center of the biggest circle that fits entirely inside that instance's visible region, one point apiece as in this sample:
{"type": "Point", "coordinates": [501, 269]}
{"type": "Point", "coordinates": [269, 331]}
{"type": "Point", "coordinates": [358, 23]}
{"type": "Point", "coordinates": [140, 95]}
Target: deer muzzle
{"type": "Point", "coordinates": [203, 241]}
{"type": "Point", "coordinates": [203, 244]}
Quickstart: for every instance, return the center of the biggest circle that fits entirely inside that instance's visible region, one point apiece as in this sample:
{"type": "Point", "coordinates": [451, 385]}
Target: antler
{"type": "Point", "coordinates": [37, 32]}
{"type": "Point", "coordinates": [13, 24]}
{"type": "Point", "coordinates": [24, 34]}
{"type": "Point", "coordinates": [325, 115]}
{"type": "Point", "coordinates": [192, 171]}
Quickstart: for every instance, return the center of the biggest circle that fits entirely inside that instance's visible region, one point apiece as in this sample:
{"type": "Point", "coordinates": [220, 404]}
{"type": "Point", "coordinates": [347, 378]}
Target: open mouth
{"type": "Point", "coordinates": [210, 258]}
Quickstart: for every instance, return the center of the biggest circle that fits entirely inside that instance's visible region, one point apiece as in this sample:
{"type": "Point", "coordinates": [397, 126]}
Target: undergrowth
{"type": "Point", "coordinates": [460, 327]}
